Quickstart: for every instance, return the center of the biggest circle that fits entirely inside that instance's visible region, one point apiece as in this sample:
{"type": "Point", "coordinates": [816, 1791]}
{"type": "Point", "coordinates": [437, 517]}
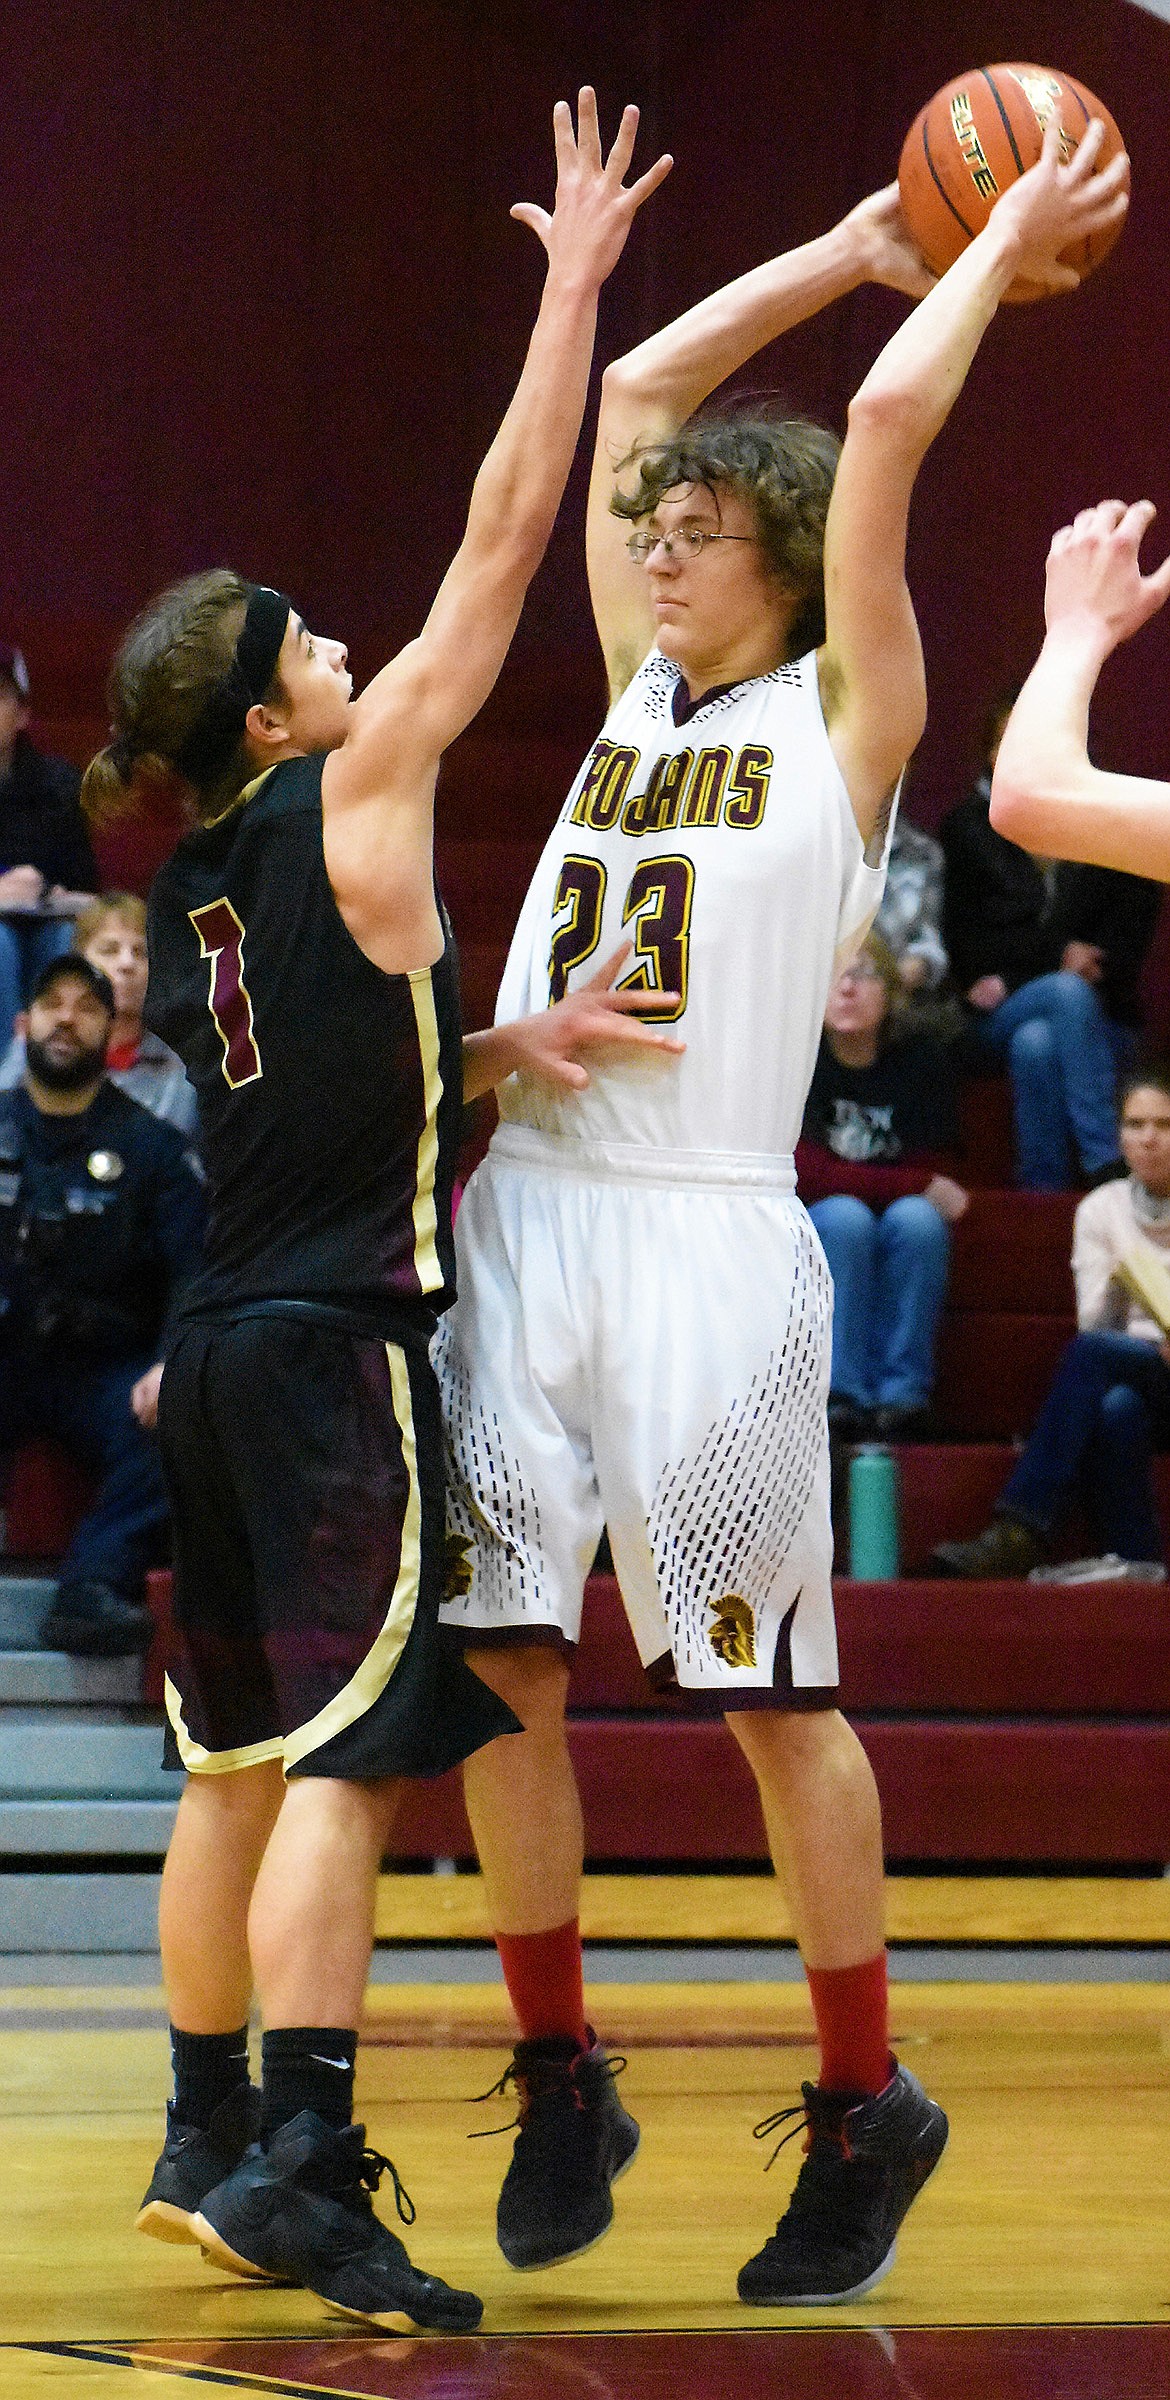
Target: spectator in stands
{"type": "Point", "coordinates": [101, 1219]}
{"type": "Point", "coordinates": [1048, 957]}
{"type": "Point", "coordinates": [47, 869]}
{"type": "Point", "coordinates": [910, 917]}
{"type": "Point", "coordinates": [111, 933]}
{"type": "Point", "coordinates": [880, 1132]}
{"type": "Point", "coordinates": [1109, 1403]}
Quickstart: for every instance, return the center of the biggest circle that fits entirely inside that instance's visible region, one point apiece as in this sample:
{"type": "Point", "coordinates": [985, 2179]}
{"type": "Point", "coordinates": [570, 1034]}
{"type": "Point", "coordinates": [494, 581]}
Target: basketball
{"type": "Point", "coordinates": [979, 134]}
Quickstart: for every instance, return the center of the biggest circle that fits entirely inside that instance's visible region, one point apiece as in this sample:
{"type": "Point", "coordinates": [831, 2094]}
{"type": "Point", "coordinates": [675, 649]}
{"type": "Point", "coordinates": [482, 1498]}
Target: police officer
{"type": "Point", "coordinates": [101, 1218]}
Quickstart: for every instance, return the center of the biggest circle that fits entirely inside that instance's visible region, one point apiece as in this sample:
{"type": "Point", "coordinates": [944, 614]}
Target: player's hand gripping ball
{"type": "Point", "coordinates": [978, 135]}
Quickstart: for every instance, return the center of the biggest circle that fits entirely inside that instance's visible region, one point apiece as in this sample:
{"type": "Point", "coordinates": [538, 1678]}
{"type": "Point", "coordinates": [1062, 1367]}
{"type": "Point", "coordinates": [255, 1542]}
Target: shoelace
{"type": "Point", "coordinates": [370, 2172]}
{"type": "Point", "coordinates": [542, 2080]}
{"type": "Point", "coordinates": [808, 2121]}
{"type": "Point", "coordinates": [769, 2125]}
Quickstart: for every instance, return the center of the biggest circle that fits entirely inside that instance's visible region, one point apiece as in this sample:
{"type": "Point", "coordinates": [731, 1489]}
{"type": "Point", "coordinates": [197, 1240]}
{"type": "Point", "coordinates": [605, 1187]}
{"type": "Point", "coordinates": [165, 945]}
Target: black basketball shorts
{"type": "Point", "coordinates": [304, 1465]}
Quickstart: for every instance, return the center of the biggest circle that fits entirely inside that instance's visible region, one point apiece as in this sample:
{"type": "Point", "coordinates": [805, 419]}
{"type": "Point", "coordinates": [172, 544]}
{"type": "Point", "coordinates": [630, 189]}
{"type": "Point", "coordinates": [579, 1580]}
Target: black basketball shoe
{"type": "Point", "coordinates": [866, 2160]}
{"type": "Point", "coordinates": [192, 2162]}
{"type": "Point", "coordinates": [301, 2212]}
{"type": "Point", "coordinates": [575, 2139]}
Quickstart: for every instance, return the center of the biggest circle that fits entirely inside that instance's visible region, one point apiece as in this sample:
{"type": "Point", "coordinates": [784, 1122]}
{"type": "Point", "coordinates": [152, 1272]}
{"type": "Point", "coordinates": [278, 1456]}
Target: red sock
{"type": "Point", "coordinates": [851, 2008]}
{"type": "Point", "coordinates": [543, 1975]}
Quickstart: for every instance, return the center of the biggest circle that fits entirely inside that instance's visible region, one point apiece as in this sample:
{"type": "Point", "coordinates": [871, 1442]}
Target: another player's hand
{"type": "Point", "coordinates": [595, 1018]}
{"type": "Point", "coordinates": [144, 1397]}
{"type": "Point", "coordinates": [889, 253]}
{"type": "Point", "coordinates": [593, 211]}
{"type": "Point", "coordinates": [1054, 205]}
{"type": "Point", "coordinates": [1094, 582]}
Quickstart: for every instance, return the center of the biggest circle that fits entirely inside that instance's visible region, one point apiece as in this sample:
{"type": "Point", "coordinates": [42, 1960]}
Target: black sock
{"type": "Point", "coordinates": [208, 2067]}
{"type": "Point", "coordinates": [308, 2066]}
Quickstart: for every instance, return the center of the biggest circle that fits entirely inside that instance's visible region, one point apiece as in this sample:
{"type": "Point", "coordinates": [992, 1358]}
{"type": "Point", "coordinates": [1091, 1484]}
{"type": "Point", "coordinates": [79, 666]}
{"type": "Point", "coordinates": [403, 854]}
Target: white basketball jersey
{"type": "Point", "coordinates": [727, 852]}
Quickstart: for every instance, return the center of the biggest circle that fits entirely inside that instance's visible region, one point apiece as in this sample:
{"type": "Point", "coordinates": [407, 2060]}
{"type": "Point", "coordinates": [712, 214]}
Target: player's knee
{"type": "Point", "coordinates": [531, 1678]}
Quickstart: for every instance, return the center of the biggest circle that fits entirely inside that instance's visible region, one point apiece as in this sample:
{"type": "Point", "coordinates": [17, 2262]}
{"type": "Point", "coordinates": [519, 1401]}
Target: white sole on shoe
{"type": "Point", "coordinates": [856, 2291]}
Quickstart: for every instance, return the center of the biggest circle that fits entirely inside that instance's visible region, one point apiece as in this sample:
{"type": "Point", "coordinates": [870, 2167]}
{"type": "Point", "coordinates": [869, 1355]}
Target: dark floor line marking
{"type": "Point", "coordinates": [226, 2378]}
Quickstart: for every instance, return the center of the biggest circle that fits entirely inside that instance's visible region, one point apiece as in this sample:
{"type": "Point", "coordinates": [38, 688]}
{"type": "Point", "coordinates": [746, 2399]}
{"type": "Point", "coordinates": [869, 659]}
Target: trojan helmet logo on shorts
{"type": "Point", "coordinates": [733, 1634]}
{"type": "Point", "coordinates": [456, 1566]}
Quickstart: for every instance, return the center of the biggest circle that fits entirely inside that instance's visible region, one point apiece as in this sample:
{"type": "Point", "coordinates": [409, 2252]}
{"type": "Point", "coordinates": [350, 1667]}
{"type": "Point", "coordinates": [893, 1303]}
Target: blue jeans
{"type": "Point", "coordinates": [1062, 1055]}
{"type": "Point", "coordinates": [87, 1409]}
{"type": "Point", "coordinates": [889, 1283]}
{"type": "Point", "coordinates": [26, 945]}
{"type": "Point", "coordinates": [1108, 1405]}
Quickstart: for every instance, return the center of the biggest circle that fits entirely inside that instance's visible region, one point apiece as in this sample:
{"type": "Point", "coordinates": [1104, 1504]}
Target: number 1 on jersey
{"type": "Point", "coordinates": [221, 940]}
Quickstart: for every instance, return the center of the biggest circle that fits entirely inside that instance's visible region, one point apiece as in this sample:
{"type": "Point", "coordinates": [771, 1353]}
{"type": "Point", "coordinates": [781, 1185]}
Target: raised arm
{"type": "Point", "coordinates": [377, 787]}
{"type": "Point", "coordinates": [871, 667]}
{"type": "Point", "coordinates": [649, 393]}
{"type": "Point", "coordinates": [1046, 794]}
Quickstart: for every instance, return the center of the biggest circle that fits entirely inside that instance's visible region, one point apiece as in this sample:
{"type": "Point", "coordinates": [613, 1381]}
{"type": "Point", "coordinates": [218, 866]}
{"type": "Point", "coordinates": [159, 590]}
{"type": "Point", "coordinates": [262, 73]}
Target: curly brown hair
{"type": "Point", "coordinates": [783, 467]}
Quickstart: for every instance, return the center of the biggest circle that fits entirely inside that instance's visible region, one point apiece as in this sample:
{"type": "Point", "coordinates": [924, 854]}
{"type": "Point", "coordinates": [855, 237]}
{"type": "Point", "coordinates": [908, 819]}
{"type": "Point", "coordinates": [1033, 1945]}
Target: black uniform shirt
{"type": "Point", "coordinates": [330, 1094]}
{"type": "Point", "coordinates": [101, 1219]}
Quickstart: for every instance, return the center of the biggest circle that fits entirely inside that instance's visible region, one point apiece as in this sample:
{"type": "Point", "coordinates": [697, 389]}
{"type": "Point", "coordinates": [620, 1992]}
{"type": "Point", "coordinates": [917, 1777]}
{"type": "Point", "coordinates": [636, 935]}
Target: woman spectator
{"type": "Point", "coordinates": [1048, 957]}
{"type": "Point", "coordinates": [111, 934]}
{"type": "Point", "coordinates": [1109, 1404]}
{"type": "Point", "coordinates": [879, 1131]}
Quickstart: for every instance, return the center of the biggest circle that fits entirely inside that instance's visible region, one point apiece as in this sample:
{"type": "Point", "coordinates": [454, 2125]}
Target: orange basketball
{"type": "Point", "coordinates": [977, 136]}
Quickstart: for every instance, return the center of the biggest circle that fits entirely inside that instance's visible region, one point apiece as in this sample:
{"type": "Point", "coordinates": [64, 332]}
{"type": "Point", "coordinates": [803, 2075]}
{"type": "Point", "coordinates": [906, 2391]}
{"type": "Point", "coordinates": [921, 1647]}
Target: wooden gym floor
{"type": "Point", "coordinates": [1037, 2261]}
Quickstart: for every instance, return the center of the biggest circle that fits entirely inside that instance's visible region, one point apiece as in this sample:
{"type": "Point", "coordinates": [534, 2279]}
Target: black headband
{"type": "Point", "coordinates": [224, 714]}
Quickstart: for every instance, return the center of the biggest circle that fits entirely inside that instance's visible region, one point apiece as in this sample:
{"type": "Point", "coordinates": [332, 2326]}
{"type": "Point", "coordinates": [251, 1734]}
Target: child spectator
{"type": "Point", "coordinates": [1109, 1403]}
{"type": "Point", "coordinates": [47, 869]}
{"type": "Point", "coordinates": [879, 1134]}
{"type": "Point", "coordinates": [111, 934]}
{"type": "Point", "coordinates": [1048, 957]}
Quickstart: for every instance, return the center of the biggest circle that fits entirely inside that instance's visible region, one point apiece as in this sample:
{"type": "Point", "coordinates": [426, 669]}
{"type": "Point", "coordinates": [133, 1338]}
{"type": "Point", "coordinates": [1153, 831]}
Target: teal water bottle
{"type": "Point", "coordinates": [873, 1514]}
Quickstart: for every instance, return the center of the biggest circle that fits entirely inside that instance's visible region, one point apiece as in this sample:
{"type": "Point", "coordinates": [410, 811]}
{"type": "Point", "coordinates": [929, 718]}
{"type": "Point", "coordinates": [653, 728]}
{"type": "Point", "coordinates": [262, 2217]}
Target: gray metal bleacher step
{"type": "Point", "coordinates": [50, 1754]}
{"type": "Point", "coordinates": [77, 1914]}
{"type": "Point", "coordinates": [36, 1678]}
{"type": "Point", "coordinates": [25, 1601]}
{"type": "Point", "coordinates": [79, 1828]}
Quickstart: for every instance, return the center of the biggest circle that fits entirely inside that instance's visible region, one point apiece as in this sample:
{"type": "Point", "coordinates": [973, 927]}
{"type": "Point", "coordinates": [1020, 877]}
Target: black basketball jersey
{"type": "Point", "coordinates": [329, 1093]}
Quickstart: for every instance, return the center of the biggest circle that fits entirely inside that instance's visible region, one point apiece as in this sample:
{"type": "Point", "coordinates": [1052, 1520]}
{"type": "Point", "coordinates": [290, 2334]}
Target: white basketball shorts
{"type": "Point", "coordinates": [642, 1342]}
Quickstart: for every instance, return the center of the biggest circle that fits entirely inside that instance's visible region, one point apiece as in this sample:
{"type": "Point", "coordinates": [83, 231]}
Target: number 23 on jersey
{"type": "Point", "coordinates": [658, 908]}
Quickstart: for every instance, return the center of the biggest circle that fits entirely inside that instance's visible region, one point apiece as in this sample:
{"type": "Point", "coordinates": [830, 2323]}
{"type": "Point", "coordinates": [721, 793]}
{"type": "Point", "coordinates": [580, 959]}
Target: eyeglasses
{"type": "Point", "coordinates": [687, 540]}
{"type": "Point", "coordinates": [859, 970]}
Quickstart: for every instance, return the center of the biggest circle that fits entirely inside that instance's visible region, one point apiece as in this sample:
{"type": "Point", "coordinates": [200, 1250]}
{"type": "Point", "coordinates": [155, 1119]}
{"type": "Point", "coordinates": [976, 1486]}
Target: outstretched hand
{"type": "Point", "coordinates": [596, 1017]}
{"type": "Point", "coordinates": [889, 252]}
{"type": "Point", "coordinates": [1094, 581]}
{"type": "Point", "coordinates": [593, 210]}
{"type": "Point", "coordinates": [1055, 204]}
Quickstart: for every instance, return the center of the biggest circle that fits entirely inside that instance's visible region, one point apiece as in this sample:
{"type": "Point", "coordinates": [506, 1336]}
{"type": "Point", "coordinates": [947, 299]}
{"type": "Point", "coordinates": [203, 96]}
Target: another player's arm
{"type": "Point", "coordinates": [872, 678]}
{"type": "Point", "coordinates": [649, 393]}
{"type": "Point", "coordinates": [378, 787]}
{"type": "Point", "coordinates": [550, 1044]}
{"type": "Point", "coordinates": [1046, 794]}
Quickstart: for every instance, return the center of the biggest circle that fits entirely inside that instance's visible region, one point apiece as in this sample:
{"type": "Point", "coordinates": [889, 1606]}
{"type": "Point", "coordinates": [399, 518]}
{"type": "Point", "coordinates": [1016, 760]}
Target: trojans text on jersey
{"type": "Point", "coordinates": [715, 786]}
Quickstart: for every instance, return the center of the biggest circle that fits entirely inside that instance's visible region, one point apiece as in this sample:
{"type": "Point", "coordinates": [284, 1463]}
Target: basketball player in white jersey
{"type": "Point", "coordinates": [1046, 793]}
{"type": "Point", "coordinates": [642, 1334]}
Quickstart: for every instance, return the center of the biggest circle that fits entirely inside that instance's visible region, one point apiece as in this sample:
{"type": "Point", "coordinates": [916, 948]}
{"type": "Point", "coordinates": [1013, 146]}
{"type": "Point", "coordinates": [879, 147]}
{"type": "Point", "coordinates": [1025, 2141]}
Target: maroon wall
{"type": "Point", "coordinates": [262, 301]}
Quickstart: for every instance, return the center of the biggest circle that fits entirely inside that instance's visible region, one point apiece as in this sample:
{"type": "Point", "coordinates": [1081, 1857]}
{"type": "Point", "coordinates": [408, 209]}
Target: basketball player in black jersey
{"type": "Point", "coordinates": [302, 968]}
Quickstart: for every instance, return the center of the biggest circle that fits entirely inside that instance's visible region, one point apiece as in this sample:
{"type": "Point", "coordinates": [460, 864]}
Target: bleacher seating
{"type": "Point", "coordinates": [1005, 1721]}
